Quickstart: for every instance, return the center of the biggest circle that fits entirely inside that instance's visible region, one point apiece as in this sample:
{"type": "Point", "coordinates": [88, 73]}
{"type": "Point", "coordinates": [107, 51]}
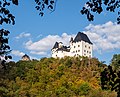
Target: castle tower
{"type": "Point", "coordinates": [79, 46]}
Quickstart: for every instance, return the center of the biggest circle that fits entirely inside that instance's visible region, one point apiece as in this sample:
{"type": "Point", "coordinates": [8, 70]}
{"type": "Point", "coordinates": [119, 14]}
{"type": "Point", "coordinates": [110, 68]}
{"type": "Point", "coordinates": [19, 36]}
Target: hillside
{"type": "Point", "coordinates": [68, 77]}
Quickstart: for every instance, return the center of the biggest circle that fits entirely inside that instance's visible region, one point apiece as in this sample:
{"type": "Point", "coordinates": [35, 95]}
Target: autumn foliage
{"type": "Point", "coordinates": [66, 77]}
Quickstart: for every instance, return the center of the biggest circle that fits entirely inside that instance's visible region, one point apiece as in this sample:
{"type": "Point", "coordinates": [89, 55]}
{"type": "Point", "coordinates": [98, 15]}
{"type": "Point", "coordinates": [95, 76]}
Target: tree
{"type": "Point", "coordinates": [97, 6]}
{"type": "Point", "coordinates": [91, 6]}
{"type": "Point", "coordinates": [41, 5]}
{"type": "Point", "coordinates": [8, 18]}
{"type": "Point", "coordinates": [115, 62]}
{"type": "Point", "coordinates": [110, 79]}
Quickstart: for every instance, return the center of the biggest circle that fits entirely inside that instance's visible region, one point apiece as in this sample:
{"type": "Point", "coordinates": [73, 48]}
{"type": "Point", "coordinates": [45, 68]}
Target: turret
{"type": "Point", "coordinates": [71, 40]}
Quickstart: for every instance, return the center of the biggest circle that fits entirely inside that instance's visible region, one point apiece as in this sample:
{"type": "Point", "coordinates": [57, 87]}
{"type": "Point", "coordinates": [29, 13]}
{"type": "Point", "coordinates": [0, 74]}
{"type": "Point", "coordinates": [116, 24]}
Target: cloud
{"type": "Point", "coordinates": [22, 35]}
{"type": "Point", "coordinates": [38, 53]}
{"type": "Point", "coordinates": [20, 54]}
{"type": "Point", "coordinates": [45, 44]}
{"type": "Point", "coordinates": [17, 53]}
{"type": "Point", "coordinates": [105, 37]}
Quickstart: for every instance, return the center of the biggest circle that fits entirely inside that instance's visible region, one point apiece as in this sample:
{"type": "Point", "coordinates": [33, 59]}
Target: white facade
{"type": "Point", "coordinates": [80, 46]}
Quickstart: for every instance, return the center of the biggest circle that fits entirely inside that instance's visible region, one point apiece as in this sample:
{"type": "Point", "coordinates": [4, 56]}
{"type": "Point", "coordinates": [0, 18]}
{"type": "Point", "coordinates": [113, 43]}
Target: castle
{"type": "Point", "coordinates": [25, 58]}
{"type": "Point", "coordinates": [79, 46]}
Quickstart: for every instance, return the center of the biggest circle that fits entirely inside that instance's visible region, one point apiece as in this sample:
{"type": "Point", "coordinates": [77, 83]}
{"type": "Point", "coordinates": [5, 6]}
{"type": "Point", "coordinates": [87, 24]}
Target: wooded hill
{"type": "Point", "coordinates": [49, 77]}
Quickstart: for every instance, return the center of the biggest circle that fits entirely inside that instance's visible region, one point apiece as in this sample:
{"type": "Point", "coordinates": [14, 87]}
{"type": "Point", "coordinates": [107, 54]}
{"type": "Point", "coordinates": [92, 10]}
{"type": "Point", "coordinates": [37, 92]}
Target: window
{"type": "Point", "coordinates": [74, 46]}
{"type": "Point", "coordinates": [84, 50]}
{"type": "Point", "coordinates": [78, 45]}
{"type": "Point", "coordinates": [73, 51]}
{"type": "Point", "coordinates": [89, 47]}
{"type": "Point", "coordinates": [87, 51]}
{"type": "Point", "coordinates": [85, 46]}
{"type": "Point", "coordinates": [78, 50]}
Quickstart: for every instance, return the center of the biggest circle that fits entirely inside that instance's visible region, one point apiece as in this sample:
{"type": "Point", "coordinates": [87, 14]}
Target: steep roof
{"type": "Point", "coordinates": [56, 45]}
{"type": "Point", "coordinates": [81, 36]}
{"type": "Point", "coordinates": [25, 56]}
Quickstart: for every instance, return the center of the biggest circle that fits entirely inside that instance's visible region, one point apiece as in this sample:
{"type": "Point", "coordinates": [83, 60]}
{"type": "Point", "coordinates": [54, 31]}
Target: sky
{"type": "Point", "coordinates": [35, 35]}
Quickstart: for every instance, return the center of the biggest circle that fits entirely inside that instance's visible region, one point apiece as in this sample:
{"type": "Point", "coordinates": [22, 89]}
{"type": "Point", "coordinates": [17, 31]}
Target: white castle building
{"type": "Point", "coordinates": [79, 46]}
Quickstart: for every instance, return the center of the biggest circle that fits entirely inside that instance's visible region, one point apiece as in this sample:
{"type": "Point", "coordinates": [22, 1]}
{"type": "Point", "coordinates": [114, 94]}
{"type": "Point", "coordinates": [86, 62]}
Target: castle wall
{"type": "Point", "coordinates": [86, 49]}
{"type": "Point", "coordinates": [76, 48]}
{"type": "Point", "coordinates": [60, 54]}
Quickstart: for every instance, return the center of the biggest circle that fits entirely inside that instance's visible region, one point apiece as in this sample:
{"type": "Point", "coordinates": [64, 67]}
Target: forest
{"type": "Point", "coordinates": [65, 77]}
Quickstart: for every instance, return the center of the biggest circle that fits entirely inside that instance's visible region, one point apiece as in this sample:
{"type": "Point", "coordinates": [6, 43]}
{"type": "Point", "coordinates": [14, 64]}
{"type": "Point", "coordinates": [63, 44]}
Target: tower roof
{"type": "Point", "coordinates": [56, 45]}
{"type": "Point", "coordinates": [25, 56]}
{"type": "Point", "coordinates": [81, 36]}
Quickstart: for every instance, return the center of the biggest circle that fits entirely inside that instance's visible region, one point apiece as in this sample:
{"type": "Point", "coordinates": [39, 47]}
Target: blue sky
{"type": "Point", "coordinates": [35, 35]}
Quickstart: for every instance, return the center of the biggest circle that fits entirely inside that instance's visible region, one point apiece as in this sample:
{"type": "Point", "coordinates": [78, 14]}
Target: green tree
{"type": "Point", "coordinates": [84, 89]}
{"type": "Point", "coordinates": [115, 62]}
{"type": "Point", "coordinates": [110, 80]}
{"type": "Point", "coordinates": [92, 6]}
{"type": "Point", "coordinates": [8, 18]}
{"type": "Point", "coordinates": [52, 77]}
{"type": "Point", "coordinates": [97, 6]}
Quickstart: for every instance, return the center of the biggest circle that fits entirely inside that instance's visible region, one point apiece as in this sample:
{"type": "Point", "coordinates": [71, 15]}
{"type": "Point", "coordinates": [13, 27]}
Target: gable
{"type": "Point", "coordinates": [81, 36]}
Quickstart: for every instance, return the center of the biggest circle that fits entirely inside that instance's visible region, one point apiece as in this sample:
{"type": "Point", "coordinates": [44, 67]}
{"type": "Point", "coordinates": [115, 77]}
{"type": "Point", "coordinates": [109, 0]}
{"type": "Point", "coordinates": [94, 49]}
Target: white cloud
{"type": "Point", "coordinates": [45, 44]}
{"type": "Point", "coordinates": [38, 53]}
{"type": "Point", "coordinates": [105, 36]}
{"type": "Point", "coordinates": [17, 53]}
{"type": "Point", "coordinates": [21, 35]}
{"type": "Point", "coordinates": [20, 54]}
